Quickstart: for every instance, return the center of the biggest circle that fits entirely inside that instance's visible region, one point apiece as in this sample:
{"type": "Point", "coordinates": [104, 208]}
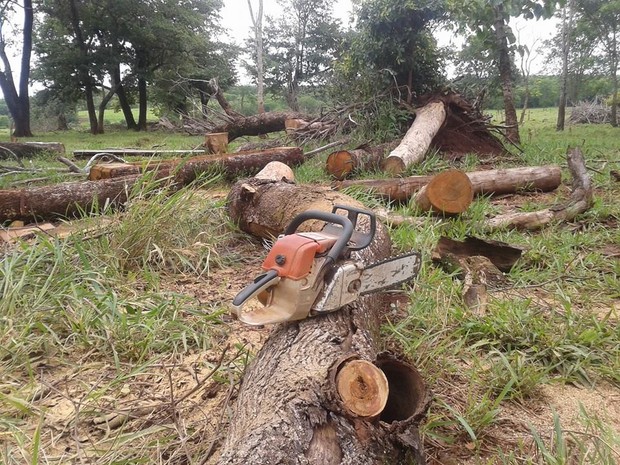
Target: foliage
{"type": "Point", "coordinates": [392, 45]}
{"type": "Point", "coordinates": [300, 46]}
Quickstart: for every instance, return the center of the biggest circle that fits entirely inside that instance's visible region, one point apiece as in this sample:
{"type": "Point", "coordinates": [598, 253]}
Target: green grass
{"type": "Point", "coordinates": [137, 303]}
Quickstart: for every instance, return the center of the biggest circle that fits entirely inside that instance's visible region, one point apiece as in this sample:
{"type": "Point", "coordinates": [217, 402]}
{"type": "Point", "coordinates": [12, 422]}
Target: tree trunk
{"type": "Point", "coordinates": [28, 149]}
{"type": "Point", "coordinates": [486, 182]}
{"type": "Point", "coordinates": [567, 25]}
{"type": "Point", "coordinates": [102, 106]}
{"type": "Point", "coordinates": [614, 80]}
{"type": "Point", "coordinates": [142, 104]}
{"type": "Point", "coordinates": [345, 163]}
{"type": "Point", "coordinates": [83, 71]}
{"type": "Point", "coordinates": [185, 170]}
{"type": "Point", "coordinates": [258, 124]}
{"type": "Point", "coordinates": [62, 200]}
{"type": "Point", "coordinates": [289, 410]}
{"type": "Point", "coordinates": [123, 101]}
{"type": "Point", "coordinates": [505, 74]}
{"type": "Point", "coordinates": [257, 22]}
{"type": "Point", "coordinates": [17, 100]}
{"type": "Point", "coordinates": [87, 154]}
{"type": "Point", "coordinates": [449, 192]}
{"type": "Point", "coordinates": [418, 138]}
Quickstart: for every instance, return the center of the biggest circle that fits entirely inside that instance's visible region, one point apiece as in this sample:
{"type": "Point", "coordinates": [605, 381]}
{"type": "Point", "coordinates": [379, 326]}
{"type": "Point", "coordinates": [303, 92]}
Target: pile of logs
{"type": "Point", "coordinates": [595, 112]}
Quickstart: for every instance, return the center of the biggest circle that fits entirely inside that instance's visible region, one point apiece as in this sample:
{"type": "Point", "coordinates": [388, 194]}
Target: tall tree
{"type": "Point", "coordinates": [17, 98]}
{"type": "Point", "coordinates": [300, 46]}
{"type": "Point", "coordinates": [603, 16]}
{"type": "Point", "coordinates": [490, 19]}
{"type": "Point", "coordinates": [257, 27]}
{"type": "Point", "coordinates": [567, 31]}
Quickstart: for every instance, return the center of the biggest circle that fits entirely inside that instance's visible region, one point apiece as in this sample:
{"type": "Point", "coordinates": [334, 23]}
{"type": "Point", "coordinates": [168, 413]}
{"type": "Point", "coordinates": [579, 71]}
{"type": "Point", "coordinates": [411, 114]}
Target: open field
{"type": "Point", "coordinates": [116, 345]}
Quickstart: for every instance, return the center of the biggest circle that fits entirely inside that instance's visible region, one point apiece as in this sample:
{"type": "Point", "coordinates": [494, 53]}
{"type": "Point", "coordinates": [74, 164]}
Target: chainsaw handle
{"type": "Point", "coordinates": [343, 236]}
{"type": "Point", "coordinates": [257, 286]}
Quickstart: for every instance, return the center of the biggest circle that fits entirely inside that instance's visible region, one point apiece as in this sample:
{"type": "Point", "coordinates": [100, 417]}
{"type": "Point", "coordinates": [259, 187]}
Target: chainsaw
{"type": "Point", "coordinates": [313, 273]}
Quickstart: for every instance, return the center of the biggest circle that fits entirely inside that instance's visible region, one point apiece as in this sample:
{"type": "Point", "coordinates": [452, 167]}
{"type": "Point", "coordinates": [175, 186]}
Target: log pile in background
{"type": "Point", "coordinates": [345, 163]}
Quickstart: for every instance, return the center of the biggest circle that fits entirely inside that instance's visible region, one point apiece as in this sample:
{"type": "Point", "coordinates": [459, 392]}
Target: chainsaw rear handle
{"type": "Point", "coordinates": [344, 235]}
{"type": "Point", "coordinates": [359, 240]}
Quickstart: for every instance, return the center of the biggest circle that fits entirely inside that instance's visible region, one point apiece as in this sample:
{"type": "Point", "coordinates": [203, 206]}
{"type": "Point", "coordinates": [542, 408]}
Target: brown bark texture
{"type": "Point", "coordinates": [344, 163]}
{"type": "Point", "coordinates": [28, 149]}
{"type": "Point", "coordinates": [580, 200]}
{"type": "Point", "coordinates": [417, 140]}
{"type": "Point", "coordinates": [62, 200]}
{"type": "Point", "coordinates": [184, 171]}
{"type": "Point", "coordinates": [288, 410]}
{"type": "Point", "coordinates": [256, 125]}
{"type": "Point", "coordinates": [485, 182]}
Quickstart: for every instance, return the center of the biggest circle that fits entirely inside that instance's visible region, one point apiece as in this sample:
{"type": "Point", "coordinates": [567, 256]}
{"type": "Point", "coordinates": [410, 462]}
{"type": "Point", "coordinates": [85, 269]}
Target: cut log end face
{"type": "Point", "coordinates": [450, 192]}
{"type": "Point", "coordinates": [363, 388]}
{"type": "Point", "coordinates": [394, 165]}
{"type": "Point", "coordinates": [340, 164]}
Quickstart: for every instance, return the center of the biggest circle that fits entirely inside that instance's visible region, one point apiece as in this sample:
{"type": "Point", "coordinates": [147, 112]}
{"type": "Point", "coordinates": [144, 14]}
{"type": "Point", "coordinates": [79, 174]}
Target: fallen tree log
{"type": "Point", "coordinates": [488, 182]}
{"type": "Point", "coordinates": [412, 149]}
{"type": "Point", "coordinates": [185, 170]}
{"type": "Point", "coordinates": [256, 125]}
{"type": "Point", "coordinates": [449, 192]}
{"type": "Point", "coordinates": [580, 200]}
{"type": "Point", "coordinates": [344, 163]}
{"type": "Point", "coordinates": [289, 409]}
{"type": "Point", "coordinates": [62, 200]}
{"type": "Point", "coordinates": [10, 150]}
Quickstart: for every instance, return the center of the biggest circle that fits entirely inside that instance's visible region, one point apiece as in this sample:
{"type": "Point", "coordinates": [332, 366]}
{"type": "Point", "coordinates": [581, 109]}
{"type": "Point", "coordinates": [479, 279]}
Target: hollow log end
{"type": "Point", "coordinates": [450, 192]}
{"type": "Point", "coordinates": [363, 388]}
{"type": "Point", "coordinates": [394, 165]}
{"type": "Point", "coordinates": [339, 164]}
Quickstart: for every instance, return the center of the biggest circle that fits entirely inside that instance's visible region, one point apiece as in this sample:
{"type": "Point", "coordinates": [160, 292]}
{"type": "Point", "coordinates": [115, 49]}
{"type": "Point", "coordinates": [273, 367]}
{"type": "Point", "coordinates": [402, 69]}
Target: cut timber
{"type": "Point", "coordinates": [580, 201]}
{"type": "Point", "coordinates": [363, 389]}
{"type": "Point", "coordinates": [276, 170]}
{"type": "Point", "coordinates": [24, 232]}
{"type": "Point", "coordinates": [217, 142]}
{"type": "Point", "coordinates": [88, 154]}
{"type": "Point", "coordinates": [449, 192]}
{"type": "Point", "coordinates": [287, 408]}
{"type": "Point", "coordinates": [28, 149]}
{"type": "Point", "coordinates": [256, 125]}
{"type": "Point", "coordinates": [417, 140]}
{"type": "Point", "coordinates": [487, 182]}
{"type": "Point", "coordinates": [186, 170]}
{"type": "Point", "coordinates": [62, 200]}
{"type": "Point", "coordinates": [345, 163]}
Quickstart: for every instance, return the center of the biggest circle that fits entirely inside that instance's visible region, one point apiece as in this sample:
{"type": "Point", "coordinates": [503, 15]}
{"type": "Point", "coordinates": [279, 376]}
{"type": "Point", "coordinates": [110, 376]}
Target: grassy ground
{"type": "Point", "coordinates": [116, 347]}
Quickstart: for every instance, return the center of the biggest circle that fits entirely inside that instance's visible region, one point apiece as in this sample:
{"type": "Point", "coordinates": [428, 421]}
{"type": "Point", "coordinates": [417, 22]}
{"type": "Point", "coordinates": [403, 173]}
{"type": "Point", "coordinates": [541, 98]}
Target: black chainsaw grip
{"type": "Point", "coordinates": [254, 286]}
{"type": "Point", "coordinates": [343, 238]}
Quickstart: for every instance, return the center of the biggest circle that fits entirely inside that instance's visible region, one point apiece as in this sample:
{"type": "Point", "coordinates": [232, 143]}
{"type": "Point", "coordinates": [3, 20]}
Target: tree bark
{"type": "Point", "coordinates": [288, 410]}
{"type": "Point", "coordinates": [449, 192]}
{"type": "Point", "coordinates": [505, 74]}
{"type": "Point", "coordinates": [62, 200]}
{"type": "Point", "coordinates": [17, 99]}
{"type": "Point", "coordinates": [28, 149]}
{"type": "Point", "coordinates": [257, 24]}
{"type": "Point", "coordinates": [87, 154]}
{"type": "Point", "coordinates": [580, 200]}
{"type": "Point", "coordinates": [418, 138]}
{"type": "Point", "coordinates": [185, 170]}
{"type": "Point", "coordinates": [485, 182]}
{"type": "Point", "coordinates": [123, 101]}
{"type": "Point", "coordinates": [567, 25]}
{"type": "Point", "coordinates": [258, 124]}
{"type": "Point", "coordinates": [344, 163]}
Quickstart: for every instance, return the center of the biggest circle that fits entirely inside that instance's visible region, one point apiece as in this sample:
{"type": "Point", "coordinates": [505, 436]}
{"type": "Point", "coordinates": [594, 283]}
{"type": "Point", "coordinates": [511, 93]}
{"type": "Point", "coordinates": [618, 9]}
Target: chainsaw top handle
{"type": "Point", "coordinates": [343, 234]}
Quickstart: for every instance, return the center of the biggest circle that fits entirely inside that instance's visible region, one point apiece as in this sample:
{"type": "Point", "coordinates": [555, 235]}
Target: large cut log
{"type": "Point", "coordinates": [9, 150]}
{"type": "Point", "coordinates": [488, 182]}
{"type": "Point", "coordinates": [344, 163]}
{"type": "Point", "coordinates": [185, 170]}
{"type": "Point", "coordinates": [64, 199]}
{"type": "Point", "coordinates": [449, 192]}
{"type": "Point", "coordinates": [291, 407]}
{"type": "Point", "coordinates": [417, 140]}
{"type": "Point", "coordinates": [256, 125]}
{"type": "Point", "coordinates": [580, 200]}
